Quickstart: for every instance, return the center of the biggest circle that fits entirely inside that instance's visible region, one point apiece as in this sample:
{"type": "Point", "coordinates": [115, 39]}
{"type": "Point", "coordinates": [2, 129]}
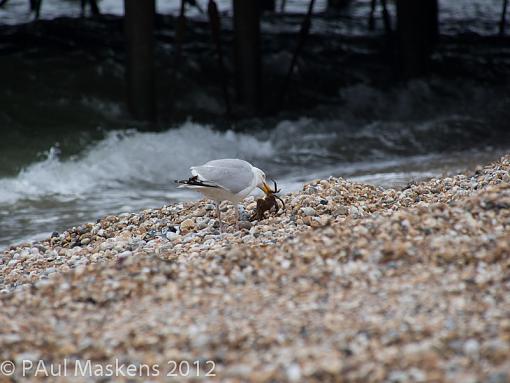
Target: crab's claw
{"type": "Point", "coordinates": [276, 190]}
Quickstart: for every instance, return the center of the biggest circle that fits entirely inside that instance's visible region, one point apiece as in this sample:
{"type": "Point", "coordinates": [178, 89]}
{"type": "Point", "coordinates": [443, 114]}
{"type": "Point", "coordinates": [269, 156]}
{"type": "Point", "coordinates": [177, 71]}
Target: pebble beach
{"type": "Point", "coordinates": [349, 283]}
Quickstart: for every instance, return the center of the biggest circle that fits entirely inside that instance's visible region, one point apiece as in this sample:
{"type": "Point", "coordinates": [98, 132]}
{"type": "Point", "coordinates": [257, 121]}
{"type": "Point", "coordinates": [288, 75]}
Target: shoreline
{"type": "Point", "coordinates": [350, 282]}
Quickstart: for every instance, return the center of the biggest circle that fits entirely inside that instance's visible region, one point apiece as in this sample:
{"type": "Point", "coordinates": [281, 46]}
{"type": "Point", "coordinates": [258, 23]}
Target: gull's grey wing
{"type": "Point", "coordinates": [230, 174]}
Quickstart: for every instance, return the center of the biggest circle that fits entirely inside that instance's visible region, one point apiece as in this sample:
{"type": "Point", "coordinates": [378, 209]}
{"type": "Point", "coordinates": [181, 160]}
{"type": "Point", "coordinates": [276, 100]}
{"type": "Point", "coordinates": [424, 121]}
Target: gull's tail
{"type": "Point", "coordinates": [193, 182]}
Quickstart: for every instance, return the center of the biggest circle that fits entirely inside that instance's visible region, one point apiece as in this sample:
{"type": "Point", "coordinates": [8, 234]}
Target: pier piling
{"type": "Point", "coordinates": [417, 33]}
{"type": "Point", "coordinates": [139, 27]}
{"type": "Point", "coordinates": [338, 4]}
{"type": "Point", "coordinates": [502, 22]}
{"type": "Point", "coordinates": [94, 8]}
{"type": "Point", "coordinates": [247, 53]}
{"type": "Point", "coordinates": [268, 5]}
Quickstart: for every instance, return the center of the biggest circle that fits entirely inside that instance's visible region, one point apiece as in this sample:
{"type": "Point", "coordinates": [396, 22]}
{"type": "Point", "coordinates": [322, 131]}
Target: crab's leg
{"type": "Point", "coordinates": [277, 208]}
{"type": "Point", "coordinates": [281, 200]}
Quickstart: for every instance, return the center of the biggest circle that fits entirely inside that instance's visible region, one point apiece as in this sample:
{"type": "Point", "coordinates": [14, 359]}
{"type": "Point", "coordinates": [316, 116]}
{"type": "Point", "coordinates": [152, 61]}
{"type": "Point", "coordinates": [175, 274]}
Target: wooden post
{"type": "Point", "coordinates": [371, 15]}
{"type": "Point", "coordinates": [35, 6]}
{"type": "Point", "coordinates": [139, 26]}
{"type": "Point", "coordinates": [303, 34]}
{"type": "Point", "coordinates": [268, 5]}
{"type": "Point", "coordinates": [417, 27]}
{"type": "Point", "coordinates": [502, 22]}
{"type": "Point", "coordinates": [338, 4]}
{"type": "Point", "coordinates": [247, 53]}
{"type": "Point", "coordinates": [282, 5]}
{"type": "Point", "coordinates": [433, 22]}
{"type": "Point", "coordinates": [215, 21]}
{"type": "Point", "coordinates": [94, 8]}
{"type": "Point", "coordinates": [386, 17]}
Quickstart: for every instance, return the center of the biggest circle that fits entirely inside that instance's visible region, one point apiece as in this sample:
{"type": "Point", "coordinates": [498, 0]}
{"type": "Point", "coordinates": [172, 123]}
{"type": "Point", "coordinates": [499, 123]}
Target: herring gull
{"type": "Point", "coordinates": [228, 179]}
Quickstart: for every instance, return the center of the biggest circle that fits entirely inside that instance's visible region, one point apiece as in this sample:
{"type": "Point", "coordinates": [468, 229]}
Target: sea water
{"type": "Point", "coordinates": [54, 175]}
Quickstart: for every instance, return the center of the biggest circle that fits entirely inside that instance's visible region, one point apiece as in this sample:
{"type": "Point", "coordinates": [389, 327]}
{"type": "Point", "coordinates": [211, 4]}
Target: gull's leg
{"type": "Point", "coordinates": [218, 214]}
{"type": "Point", "coordinates": [236, 206]}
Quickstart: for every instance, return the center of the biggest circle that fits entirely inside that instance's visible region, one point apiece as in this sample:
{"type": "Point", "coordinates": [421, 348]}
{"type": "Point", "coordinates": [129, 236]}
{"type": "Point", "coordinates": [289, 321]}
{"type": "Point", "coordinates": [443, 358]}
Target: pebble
{"type": "Point", "coordinates": [499, 377]}
{"type": "Point", "coordinates": [246, 225]}
{"type": "Point", "coordinates": [308, 211]}
{"type": "Point", "coordinates": [471, 347]}
{"type": "Point", "coordinates": [203, 223]}
{"type": "Point", "coordinates": [125, 254]}
{"type": "Point", "coordinates": [170, 235]}
{"type": "Point", "coordinates": [294, 373]}
{"type": "Point", "coordinates": [187, 224]}
{"type": "Point", "coordinates": [85, 241]}
{"type": "Point", "coordinates": [342, 210]}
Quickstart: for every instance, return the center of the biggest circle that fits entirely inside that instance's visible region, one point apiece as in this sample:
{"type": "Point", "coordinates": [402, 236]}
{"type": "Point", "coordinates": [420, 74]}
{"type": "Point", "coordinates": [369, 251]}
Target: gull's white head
{"type": "Point", "coordinates": [261, 180]}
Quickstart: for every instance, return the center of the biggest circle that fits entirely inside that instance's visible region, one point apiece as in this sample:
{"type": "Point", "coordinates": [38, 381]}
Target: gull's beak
{"type": "Point", "coordinates": [266, 188]}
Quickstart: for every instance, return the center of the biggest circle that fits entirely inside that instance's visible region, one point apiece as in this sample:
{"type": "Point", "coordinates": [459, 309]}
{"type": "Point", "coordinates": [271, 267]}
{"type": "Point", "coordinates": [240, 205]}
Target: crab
{"type": "Point", "coordinates": [267, 203]}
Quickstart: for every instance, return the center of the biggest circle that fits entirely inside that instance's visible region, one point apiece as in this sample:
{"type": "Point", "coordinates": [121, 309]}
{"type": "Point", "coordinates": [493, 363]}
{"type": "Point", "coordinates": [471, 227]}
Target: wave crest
{"type": "Point", "coordinates": [125, 157]}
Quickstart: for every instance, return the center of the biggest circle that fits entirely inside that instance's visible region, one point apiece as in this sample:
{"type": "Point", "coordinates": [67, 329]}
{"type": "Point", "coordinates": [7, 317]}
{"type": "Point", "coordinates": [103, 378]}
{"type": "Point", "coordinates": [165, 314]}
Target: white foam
{"type": "Point", "coordinates": [126, 157]}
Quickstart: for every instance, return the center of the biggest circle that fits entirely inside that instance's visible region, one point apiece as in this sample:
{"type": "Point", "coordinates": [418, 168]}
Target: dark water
{"type": "Point", "coordinates": [70, 153]}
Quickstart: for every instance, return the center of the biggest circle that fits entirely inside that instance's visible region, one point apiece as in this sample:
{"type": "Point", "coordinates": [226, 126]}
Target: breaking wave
{"type": "Point", "coordinates": [129, 157]}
